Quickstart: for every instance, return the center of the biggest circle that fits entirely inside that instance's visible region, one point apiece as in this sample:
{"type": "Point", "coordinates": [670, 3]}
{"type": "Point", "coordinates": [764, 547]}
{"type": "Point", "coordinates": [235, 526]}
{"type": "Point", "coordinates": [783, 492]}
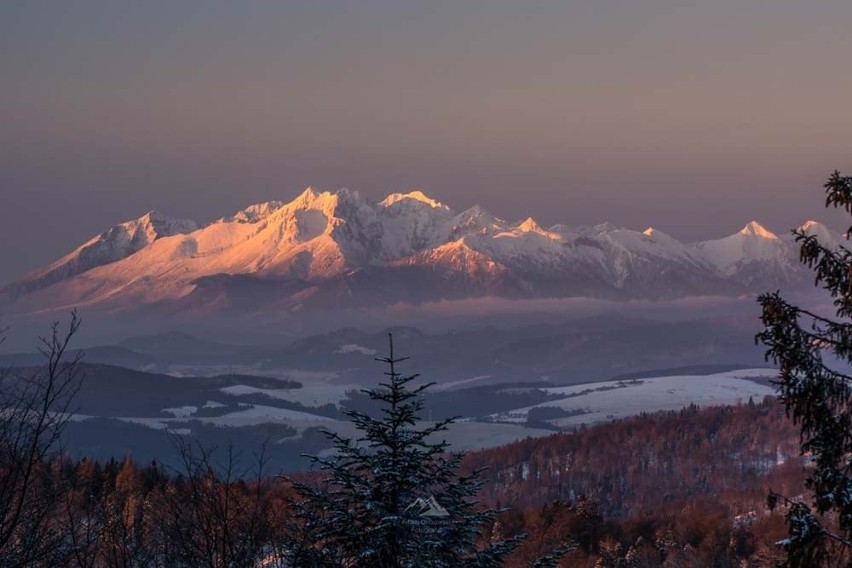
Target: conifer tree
{"type": "Point", "coordinates": [811, 351]}
{"type": "Point", "coordinates": [394, 496]}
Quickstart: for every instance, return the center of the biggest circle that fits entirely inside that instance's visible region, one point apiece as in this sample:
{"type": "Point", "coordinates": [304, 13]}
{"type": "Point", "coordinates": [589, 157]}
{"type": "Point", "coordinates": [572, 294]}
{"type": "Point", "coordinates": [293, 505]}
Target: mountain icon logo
{"type": "Point", "coordinates": [427, 508]}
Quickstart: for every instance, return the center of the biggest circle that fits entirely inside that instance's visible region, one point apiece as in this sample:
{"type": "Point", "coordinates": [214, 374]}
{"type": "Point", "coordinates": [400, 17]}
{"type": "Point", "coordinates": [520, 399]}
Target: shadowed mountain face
{"type": "Point", "coordinates": [339, 250]}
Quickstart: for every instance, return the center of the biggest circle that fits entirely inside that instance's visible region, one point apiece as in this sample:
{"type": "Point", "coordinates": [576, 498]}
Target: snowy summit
{"type": "Point", "coordinates": [339, 248]}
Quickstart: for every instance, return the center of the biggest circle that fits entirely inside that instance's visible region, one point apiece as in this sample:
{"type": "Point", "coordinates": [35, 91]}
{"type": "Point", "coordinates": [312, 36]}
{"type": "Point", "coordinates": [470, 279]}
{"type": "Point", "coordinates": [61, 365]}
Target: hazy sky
{"type": "Point", "coordinates": [694, 117]}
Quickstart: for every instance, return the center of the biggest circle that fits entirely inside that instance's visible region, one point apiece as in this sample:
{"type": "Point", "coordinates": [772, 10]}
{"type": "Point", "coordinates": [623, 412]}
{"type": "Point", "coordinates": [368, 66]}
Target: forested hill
{"type": "Point", "coordinates": [681, 488]}
{"type": "Point", "coordinates": [684, 488]}
{"type": "Point", "coordinates": [631, 465]}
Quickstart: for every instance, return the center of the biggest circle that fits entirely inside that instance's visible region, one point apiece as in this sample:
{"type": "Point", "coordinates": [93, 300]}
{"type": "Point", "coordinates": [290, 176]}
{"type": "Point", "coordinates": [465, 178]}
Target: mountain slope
{"type": "Point", "coordinates": [339, 249]}
{"type": "Point", "coordinates": [753, 256]}
{"type": "Point", "coordinates": [110, 246]}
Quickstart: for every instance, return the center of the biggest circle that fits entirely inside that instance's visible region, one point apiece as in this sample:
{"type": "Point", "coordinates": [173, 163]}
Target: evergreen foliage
{"type": "Point", "coordinates": [368, 508]}
{"type": "Point", "coordinates": [810, 351]}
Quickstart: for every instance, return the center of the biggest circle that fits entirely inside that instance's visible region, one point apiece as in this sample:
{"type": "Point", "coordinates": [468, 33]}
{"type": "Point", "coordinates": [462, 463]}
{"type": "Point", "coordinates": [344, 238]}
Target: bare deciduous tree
{"type": "Point", "coordinates": [213, 518]}
{"type": "Point", "coordinates": [34, 409]}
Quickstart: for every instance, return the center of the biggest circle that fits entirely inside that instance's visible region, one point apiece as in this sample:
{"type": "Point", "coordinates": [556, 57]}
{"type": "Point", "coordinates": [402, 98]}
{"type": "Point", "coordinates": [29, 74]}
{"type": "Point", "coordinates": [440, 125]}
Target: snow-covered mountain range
{"type": "Point", "coordinates": [333, 250]}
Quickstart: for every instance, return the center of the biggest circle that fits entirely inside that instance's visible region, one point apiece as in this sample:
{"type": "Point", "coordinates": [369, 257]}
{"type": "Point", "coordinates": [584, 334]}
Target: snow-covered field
{"type": "Point", "coordinates": [464, 436]}
{"type": "Point", "coordinates": [462, 383]}
{"type": "Point", "coordinates": [589, 403]}
{"type": "Point", "coordinates": [251, 415]}
{"type": "Point", "coordinates": [258, 414]}
{"type": "Point", "coordinates": [616, 399]}
{"type": "Point", "coordinates": [311, 394]}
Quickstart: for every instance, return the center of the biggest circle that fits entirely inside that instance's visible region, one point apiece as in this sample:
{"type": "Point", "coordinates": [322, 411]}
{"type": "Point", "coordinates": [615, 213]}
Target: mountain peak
{"type": "Point", "coordinates": [114, 244]}
{"type": "Point", "coordinates": [661, 238]}
{"type": "Point", "coordinates": [602, 228]}
{"type": "Point", "coordinates": [811, 226]}
{"type": "Point", "coordinates": [307, 194]}
{"type": "Point", "coordinates": [755, 229]}
{"type": "Point", "coordinates": [415, 195]}
{"type": "Point", "coordinates": [476, 211]}
{"type": "Point", "coordinates": [325, 201]}
{"type": "Point", "coordinates": [823, 234]}
{"type": "Point", "coordinates": [476, 216]}
{"type": "Point", "coordinates": [153, 215]}
{"type": "Point", "coordinates": [529, 225]}
{"type": "Point", "coordinates": [256, 212]}
{"type": "Point", "coordinates": [325, 238]}
{"type": "Point", "coordinates": [154, 225]}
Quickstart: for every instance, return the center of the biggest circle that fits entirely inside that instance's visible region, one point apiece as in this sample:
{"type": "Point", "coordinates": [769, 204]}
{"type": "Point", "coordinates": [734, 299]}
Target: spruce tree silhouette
{"type": "Point", "coordinates": [810, 351]}
{"type": "Point", "coordinates": [394, 496]}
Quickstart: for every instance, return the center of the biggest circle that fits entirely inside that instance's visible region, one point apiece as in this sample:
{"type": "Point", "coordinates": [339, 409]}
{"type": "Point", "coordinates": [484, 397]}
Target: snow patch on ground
{"type": "Point", "coordinates": [271, 413]}
{"type": "Point", "coordinates": [180, 431]}
{"type": "Point", "coordinates": [155, 423]}
{"type": "Point", "coordinates": [600, 402]}
{"type": "Point", "coordinates": [250, 415]}
{"type": "Point", "coordinates": [453, 385]}
{"type": "Point", "coordinates": [317, 394]}
{"type": "Point", "coordinates": [239, 390]}
{"type": "Point", "coordinates": [181, 411]}
{"type": "Point", "coordinates": [355, 348]}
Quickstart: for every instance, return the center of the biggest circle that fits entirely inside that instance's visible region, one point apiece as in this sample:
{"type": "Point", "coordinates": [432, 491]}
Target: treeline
{"type": "Point", "coordinates": [700, 533]}
{"type": "Point", "coordinates": [120, 514]}
{"type": "Point", "coordinates": [680, 488]}
{"type": "Point", "coordinates": [671, 489]}
{"type": "Point", "coordinates": [635, 464]}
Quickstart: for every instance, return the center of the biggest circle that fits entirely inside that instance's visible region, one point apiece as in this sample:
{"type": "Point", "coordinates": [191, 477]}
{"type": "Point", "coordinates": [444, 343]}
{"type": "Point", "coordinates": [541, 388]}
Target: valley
{"type": "Point", "coordinates": [122, 412]}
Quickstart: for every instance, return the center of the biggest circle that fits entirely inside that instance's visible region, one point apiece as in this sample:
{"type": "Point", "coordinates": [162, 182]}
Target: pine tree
{"type": "Point", "coordinates": [394, 496]}
{"type": "Point", "coordinates": [810, 351]}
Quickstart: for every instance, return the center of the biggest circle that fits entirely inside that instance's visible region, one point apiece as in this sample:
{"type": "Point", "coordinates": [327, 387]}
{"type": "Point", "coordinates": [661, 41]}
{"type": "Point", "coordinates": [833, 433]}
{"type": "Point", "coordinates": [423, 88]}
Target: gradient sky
{"type": "Point", "coordinates": [693, 117]}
